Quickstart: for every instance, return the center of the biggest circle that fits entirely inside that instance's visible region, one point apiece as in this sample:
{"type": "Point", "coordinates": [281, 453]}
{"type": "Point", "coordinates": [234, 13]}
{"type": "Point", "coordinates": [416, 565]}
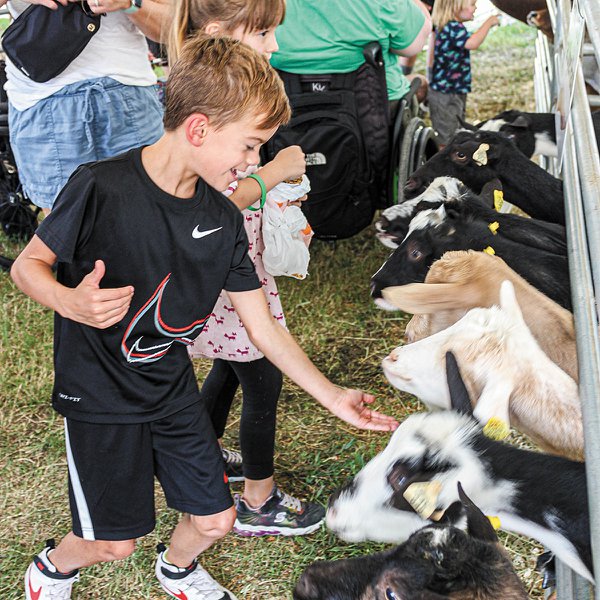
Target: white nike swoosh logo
{"type": "Point", "coordinates": [197, 234]}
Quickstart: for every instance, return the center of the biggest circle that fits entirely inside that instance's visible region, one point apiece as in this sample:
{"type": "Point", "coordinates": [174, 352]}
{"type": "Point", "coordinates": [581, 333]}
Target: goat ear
{"type": "Point", "coordinates": [478, 525]}
{"type": "Point", "coordinates": [508, 300]}
{"type": "Point", "coordinates": [521, 121]}
{"type": "Point", "coordinates": [459, 396]}
{"type": "Point", "coordinates": [465, 125]}
{"type": "Point", "coordinates": [453, 514]}
{"type": "Point", "coordinates": [489, 190]}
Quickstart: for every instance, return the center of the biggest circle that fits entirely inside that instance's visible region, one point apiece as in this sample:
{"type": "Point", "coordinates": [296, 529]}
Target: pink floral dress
{"type": "Point", "coordinates": [224, 335]}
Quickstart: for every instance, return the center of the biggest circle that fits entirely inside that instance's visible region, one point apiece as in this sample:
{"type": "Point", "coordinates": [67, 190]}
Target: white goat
{"type": "Point", "coordinates": [462, 280]}
{"type": "Point", "coordinates": [504, 368]}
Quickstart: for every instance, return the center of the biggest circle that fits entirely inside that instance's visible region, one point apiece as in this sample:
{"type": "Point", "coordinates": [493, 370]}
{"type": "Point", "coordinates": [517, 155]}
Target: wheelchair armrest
{"type": "Point", "coordinates": [373, 54]}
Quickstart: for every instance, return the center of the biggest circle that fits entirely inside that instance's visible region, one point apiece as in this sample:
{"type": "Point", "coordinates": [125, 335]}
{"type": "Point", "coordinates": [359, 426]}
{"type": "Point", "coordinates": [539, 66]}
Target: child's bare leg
{"type": "Point", "coordinates": [74, 552]}
{"type": "Point", "coordinates": [194, 534]}
{"type": "Point", "coordinates": [256, 491]}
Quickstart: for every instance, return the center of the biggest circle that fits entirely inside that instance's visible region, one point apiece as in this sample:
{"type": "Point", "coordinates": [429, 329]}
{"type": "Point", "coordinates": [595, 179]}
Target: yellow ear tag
{"type": "Point", "coordinates": [493, 227]}
{"type": "Point", "coordinates": [422, 496]}
{"type": "Point", "coordinates": [489, 250]}
{"type": "Point", "coordinates": [495, 521]}
{"type": "Point", "coordinates": [480, 155]}
{"type": "Point", "coordinates": [496, 429]}
{"type": "Point", "coordinates": [498, 199]}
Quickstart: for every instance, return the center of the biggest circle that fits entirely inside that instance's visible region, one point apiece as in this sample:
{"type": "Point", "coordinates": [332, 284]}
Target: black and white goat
{"type": "Point", "coordinates": [437, 562]}
{"type": "Point", "coordinates": [415, 477]}
{"type": "Point", "coordinates": [532, 133]}
{"type": "Point", "coordinates": [434, 232]}
{"type": "Point", "coordinates": [476, 157]}
{"type": "Point", "coordinates": [394, 222]}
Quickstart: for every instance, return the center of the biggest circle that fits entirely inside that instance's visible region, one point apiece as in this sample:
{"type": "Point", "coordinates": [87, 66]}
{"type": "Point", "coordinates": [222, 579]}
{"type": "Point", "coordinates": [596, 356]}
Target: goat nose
{"type": "Point", "coordinates": [375, 290]}
{"type": "Point", "coordinates": [393, 356]}
{"type": "Point", "coordinates": [383, 222]}
{"type": "Point", "coordinates": [412, 183]}
{"type": "Point", "coordinates": [305, 589]}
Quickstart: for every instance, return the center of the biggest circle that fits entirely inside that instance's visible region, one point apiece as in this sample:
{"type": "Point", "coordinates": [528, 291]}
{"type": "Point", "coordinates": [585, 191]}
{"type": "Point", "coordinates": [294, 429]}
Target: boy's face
{"type": "Point", "coordinates": [232, 147]}
{"type": "Point", "coordinates": [263, 41]}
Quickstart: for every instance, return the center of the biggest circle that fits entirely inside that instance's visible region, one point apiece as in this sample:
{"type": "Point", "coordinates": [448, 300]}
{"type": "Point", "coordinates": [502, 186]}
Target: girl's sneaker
{"type": "Point", "coordinates": [281, 514]}
{"type": "Point", "coordinates": [191, 583]}
{"type": "Point", "coordinates": [233, 465]}
{"type": "Point", "coordinates": [44, 582]}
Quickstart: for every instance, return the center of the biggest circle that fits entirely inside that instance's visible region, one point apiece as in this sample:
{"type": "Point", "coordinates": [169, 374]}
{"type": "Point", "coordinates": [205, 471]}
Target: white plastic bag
{"type": "Point", "coordinates": [286, 232]}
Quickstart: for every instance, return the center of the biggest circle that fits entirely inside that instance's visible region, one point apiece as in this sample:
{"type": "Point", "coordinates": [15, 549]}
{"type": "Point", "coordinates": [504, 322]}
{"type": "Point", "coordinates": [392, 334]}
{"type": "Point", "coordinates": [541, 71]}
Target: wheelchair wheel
{"type": "Point", "coordinates": [407, 160]}
{"type": "Point", "coordinates": [427, 146]}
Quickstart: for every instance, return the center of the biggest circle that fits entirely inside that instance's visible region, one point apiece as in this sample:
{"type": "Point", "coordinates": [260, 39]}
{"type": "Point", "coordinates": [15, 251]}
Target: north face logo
{"type": "Point", "coordinates": [315, 158]}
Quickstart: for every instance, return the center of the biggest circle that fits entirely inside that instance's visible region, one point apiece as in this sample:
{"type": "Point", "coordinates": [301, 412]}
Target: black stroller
{"type": "Point", "coordinates": [18, 217]}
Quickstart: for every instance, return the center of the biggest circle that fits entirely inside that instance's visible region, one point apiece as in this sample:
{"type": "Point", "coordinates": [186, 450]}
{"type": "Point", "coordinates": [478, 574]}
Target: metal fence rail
{"type": "Point", "coordinates": [581, 177]}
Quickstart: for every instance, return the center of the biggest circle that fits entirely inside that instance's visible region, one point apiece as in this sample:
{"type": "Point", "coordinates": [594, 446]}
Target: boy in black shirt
{"type": "Point", "coordinates": [144, 245]}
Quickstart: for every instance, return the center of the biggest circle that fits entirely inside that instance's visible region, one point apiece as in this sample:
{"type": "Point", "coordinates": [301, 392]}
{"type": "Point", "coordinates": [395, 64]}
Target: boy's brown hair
{"type": "Point", "coordinates": [194, 15]}
{"type": "Point", "coordinates": [225, 80]}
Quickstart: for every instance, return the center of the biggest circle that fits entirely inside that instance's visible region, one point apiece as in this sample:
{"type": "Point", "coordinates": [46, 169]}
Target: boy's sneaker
{"type": "Point", "coordinates": [281, 514]}
{"type": "Point", "coordinates": [44, 582]}
{"type": "Point", "coordinates": [191, 583]}
{"type": "Point", "coordinates": [233, 465]}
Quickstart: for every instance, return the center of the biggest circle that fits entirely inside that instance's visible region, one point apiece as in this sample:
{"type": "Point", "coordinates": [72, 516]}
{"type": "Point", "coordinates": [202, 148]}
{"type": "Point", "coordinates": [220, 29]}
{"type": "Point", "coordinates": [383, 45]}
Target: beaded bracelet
{"type": "Point", "coordinates": [263, 190]}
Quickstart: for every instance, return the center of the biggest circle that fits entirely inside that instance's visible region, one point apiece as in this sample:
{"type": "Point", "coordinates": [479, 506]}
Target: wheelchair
{"type": "Point", "coordinates": [412, 142]}
{"type": "Point", "coordinates": [18, 217]}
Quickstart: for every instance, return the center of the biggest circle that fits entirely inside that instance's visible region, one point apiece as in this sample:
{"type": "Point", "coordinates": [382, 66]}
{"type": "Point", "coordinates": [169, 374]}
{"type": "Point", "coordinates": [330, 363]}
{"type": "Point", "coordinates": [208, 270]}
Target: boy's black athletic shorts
{"type": "Point", "coordinates": [112, 469]}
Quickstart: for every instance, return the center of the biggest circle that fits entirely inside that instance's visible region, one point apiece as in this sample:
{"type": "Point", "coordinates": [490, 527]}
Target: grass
{"type": "Point", "coordinates": [331, 315]}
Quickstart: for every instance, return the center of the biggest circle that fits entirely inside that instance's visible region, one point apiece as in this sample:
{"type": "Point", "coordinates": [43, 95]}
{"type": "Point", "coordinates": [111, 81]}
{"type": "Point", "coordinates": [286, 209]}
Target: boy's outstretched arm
{"type": "Point", "coordinates": [87, 303]}
{"type": "Point", "coordinates": [283, 351]}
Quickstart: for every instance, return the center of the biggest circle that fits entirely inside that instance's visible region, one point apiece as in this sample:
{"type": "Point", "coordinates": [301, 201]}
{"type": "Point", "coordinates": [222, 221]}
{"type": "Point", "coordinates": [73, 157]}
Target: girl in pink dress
{"type": "Point", "coordinates": [263, 509]}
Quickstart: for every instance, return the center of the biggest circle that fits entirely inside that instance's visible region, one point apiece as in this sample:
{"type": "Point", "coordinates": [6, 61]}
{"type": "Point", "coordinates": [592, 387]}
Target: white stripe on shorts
{"type": "Point", "coordinates": [87, 529]}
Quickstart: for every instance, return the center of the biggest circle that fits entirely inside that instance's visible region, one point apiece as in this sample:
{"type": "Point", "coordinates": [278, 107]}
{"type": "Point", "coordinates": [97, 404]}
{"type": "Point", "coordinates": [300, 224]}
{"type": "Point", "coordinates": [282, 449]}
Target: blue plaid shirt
{"type": "Point", "coordinates": [451, 71]}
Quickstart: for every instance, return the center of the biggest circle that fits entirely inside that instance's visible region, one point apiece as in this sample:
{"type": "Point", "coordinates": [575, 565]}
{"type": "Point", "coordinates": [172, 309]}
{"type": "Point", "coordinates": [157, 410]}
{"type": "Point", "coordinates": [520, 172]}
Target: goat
{"type": "Point", "coordinates": [394, 222]}
{"type": "Point", "coordinates": [540, 19]}
{"type": "Point", "coordinates": [534, 494]}
{"type": "Point", "coordinates": [510, 377]}
{"type": "Point", "coordinates": [433, 232]}
{"type": "Point", "coordinates": [463, 280]}
{"type": "Point", "coordinates": [476, 157]}
{"type": "Point", "coordinates": [437, 562]}
{"type": "Point", "coordinates": [532, 133]}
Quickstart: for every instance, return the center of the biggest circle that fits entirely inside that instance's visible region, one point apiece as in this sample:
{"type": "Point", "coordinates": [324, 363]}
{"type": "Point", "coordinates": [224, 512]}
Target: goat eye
{"type": "Point", "coordinates": [460, 156]}
{"type": "Point", "coordinates": [390, 595]}
{"type": "Point", "coordinates": [415, 254]}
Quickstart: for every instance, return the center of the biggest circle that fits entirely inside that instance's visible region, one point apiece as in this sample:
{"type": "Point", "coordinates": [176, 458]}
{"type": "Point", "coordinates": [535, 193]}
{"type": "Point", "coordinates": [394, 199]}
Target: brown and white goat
{"type": "Point", "coordinates": [508, 375]}
{"type": "Point", "coordinates": [462, 280]}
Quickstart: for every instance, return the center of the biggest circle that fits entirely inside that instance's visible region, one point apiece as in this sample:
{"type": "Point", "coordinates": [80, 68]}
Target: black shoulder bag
{"type": "Point", "coordinates": [42, 42]}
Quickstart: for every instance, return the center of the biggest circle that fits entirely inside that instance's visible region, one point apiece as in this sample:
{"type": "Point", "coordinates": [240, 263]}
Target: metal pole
{"type": "Point", "coordinates": [588, 345]}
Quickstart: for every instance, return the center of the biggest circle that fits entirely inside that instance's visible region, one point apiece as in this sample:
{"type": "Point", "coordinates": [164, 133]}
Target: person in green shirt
{"type": "Point", "coordinates": [328, 36]}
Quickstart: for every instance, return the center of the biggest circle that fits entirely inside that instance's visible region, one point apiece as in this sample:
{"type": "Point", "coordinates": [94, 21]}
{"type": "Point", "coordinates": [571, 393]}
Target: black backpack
{"type": "Point", "coordinates": [341, 122]}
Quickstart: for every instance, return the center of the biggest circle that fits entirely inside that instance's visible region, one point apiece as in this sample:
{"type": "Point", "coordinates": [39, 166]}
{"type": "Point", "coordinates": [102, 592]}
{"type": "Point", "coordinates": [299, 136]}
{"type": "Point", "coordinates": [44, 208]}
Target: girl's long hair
{"type": "Point", "coordinates": [445, 11]}
{"type": "Point", "coordinates": [194, 15]}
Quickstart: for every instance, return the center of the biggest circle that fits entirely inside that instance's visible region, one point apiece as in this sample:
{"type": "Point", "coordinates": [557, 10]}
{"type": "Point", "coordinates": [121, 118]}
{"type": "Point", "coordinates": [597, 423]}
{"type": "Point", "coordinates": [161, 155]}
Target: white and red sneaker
{"type": "Point", "coordinates": [44, 582]}
{"type": "Point", "coordinates": [191, 583]}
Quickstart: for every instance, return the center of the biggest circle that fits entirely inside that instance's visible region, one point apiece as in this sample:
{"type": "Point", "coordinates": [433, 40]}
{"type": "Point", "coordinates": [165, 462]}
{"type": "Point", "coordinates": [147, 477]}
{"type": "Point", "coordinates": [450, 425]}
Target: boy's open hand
{"type": "Point", "coordinates": [351, 406]}
{"type": "Point", "coordinates": [98, 307]}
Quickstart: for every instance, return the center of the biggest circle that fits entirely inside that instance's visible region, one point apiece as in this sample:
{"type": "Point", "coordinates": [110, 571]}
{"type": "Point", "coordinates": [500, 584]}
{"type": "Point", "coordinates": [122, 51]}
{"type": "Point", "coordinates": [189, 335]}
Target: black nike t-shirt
{"type": "Point", "coordinates": [178, 254]}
